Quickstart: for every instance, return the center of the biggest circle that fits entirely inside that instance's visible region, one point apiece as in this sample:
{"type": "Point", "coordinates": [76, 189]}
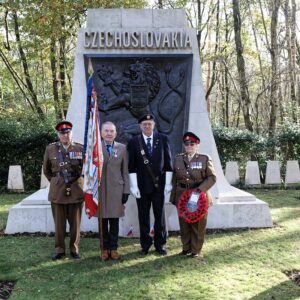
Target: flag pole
{"type": "Point", "coordinates": [100, 227]}
{"type": "Point", "coordinates": [100, 217]}
{"type": "Point", "coordinates": [99, 149]}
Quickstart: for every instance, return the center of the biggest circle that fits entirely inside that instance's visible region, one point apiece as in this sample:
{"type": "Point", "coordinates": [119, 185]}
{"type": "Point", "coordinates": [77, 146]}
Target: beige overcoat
{"type": "Point", "coordinates": [114, 181]}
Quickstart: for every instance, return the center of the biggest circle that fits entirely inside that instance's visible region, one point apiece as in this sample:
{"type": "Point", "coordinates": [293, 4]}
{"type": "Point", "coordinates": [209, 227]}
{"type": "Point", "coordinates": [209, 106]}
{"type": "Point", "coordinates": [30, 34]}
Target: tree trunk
{"type": "Point", "coordinates": [57, 105]}
{"type": "Point", "coordinates": [257, 47]}
{"type": "Point", "coordinates": [274, 67]}
{"type": "Point", "coordinates": [199, 17]}
{"type": "Point", "coordinates": [246, 103]}
{"type": "Point", "coordinates": [62, 65]}
{"type": "Point", "coordinates": [213, 78]}
{"type": "Point", "coordinates": [160, 4]}
{"type": "Point", "coordinates": [291, 58]}
{"type": "Point", "coordinates": [26, 69]}
{"type": "Point", "coordinates": [16, 78]}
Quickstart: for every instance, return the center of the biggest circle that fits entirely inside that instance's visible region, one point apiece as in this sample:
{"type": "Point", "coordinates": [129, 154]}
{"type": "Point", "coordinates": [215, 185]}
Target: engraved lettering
{"type": "Point", "coordinates": [135, 41]}
{"type": "Point", "coordinates": [94, 42]}
{"type": "Point", "coordinates": [166, 41]}
{"type": "Point", "coordinates": [142, 41]}
{"type": "Point", "coordinates": [108, 41]}
{"type": "Point", "coordinates": [157, 37]}
{"type": "Point", "coordinates": [126, 39]}
{"type": "Point", "coordinates": [149, 40]}
{"type": "Point", "coordinates": [187, 42]}
{"type": "Point", "coordinates": [118, 39]}
{"type": "Point", "coordinates": [101, 39]}
{"type": "Point", "coordinates": [87, 41]}
{"type": "Point", "coordinates": [174, 40]}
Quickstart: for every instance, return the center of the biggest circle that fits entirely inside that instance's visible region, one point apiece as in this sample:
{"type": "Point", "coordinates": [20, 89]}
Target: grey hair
{"type": "Point", "coordinates": [108, 123]}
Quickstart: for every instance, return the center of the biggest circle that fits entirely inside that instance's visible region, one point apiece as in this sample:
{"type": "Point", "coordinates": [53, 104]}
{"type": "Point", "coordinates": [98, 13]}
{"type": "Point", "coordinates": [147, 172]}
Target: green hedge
{"type": "Point", "coordinates": [243, 145]}
{"type": "Point", "coordinates": [24, 139]}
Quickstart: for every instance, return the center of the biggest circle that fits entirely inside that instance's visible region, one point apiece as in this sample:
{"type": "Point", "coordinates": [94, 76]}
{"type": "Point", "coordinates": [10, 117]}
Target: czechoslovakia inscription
{"type": "Point", "coordinates": [136, 39]}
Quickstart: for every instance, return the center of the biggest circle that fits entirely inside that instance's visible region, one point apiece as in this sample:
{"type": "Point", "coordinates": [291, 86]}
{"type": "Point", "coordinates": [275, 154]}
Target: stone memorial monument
{"type": "Point", "coordinates": [142, 61]}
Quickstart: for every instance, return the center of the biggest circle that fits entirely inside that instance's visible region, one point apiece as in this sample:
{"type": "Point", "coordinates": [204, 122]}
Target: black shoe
{"type": "Point", "coordinates": [58, 256]}
{"type": "Point", "coordinates": [185, 252]}
{"type": "Point", "coordinates": [75, 255]}
{"type": "Point", "coordinates": [161, 251]}
{"type": "Point", "coordinates": [144, 252]}
{"type": "Point", "coordinates": [195, 255]}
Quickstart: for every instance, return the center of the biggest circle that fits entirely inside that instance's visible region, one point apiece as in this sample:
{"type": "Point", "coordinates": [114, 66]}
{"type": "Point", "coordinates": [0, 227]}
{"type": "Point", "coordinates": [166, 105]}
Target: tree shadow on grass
{"type": "Point", "coordinates": [134, 276]}
{"type": "Point", "coordinates": [282, 291]}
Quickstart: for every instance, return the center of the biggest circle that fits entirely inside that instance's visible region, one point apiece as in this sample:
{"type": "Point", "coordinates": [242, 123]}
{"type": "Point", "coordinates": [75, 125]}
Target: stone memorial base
{"type": "Point", "coordinates": [33, 214]}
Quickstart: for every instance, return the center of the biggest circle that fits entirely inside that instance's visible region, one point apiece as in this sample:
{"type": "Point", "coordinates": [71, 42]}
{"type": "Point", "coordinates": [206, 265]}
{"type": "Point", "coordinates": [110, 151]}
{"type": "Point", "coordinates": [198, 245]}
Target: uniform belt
{"type": "Point", "coordinates": [189, 185]}
{"type": "Point", "coordinates": [70, 174]}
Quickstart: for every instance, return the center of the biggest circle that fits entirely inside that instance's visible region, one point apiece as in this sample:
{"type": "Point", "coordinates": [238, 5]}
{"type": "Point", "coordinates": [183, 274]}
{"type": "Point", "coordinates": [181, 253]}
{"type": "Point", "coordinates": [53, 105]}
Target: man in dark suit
{"type": "Point", "coordinates": [150, 173]}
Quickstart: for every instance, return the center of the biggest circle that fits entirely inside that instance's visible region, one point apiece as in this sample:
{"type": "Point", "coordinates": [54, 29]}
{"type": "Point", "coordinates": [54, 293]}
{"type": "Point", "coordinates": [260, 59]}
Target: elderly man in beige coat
{"type": "Point", "coordinates": [113, 190]}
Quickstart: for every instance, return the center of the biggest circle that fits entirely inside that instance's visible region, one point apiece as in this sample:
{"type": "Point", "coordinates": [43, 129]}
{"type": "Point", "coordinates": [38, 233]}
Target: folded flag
{"type": "Point", "coordinates": [93, 153]}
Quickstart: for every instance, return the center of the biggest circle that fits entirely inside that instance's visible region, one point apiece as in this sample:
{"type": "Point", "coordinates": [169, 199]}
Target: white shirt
{"type": "Point", "coordinates": [146, 137]}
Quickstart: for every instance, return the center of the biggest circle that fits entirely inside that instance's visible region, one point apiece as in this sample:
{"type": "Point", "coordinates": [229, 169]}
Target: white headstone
{"type": "Point", "coordinates": [273, 173]}
{"type": "Point", "coordinates": [292, 174]}
{"type": "Point", "coordinates": [232, 172]}
{"type": "Point", "coordinates": [252, 177]}
{"type": "Point", "coordinates": [232, 207]}
{"type": "Point", "coordinates": [44, 181]}
{"type": "Point", "coordinates": [15, 181]}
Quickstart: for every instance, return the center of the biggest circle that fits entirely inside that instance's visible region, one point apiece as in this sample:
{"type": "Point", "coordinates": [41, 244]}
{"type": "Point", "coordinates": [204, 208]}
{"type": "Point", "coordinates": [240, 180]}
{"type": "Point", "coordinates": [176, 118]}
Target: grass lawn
{"type": "Point", "coordinates": [246, 264]}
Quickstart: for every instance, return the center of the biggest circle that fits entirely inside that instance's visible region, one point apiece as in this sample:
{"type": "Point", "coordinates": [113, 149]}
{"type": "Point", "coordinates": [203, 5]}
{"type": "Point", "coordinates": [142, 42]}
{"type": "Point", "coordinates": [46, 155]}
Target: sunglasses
{"type": "Point", "coordinates": [189, 144]}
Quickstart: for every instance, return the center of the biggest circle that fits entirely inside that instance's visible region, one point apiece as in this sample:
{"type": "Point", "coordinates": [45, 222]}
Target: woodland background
{"type": "Point", "coordinates": [250, 55]}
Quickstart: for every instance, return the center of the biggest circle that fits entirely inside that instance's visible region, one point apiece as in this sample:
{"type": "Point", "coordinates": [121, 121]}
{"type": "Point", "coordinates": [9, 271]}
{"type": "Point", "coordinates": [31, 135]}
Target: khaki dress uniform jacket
{"type": "Point", "coordinates": [114, 181]}
{"type": "Point", "coordinates": [196, 173]}
{"type": "Point", "coordinates": [65, 207]}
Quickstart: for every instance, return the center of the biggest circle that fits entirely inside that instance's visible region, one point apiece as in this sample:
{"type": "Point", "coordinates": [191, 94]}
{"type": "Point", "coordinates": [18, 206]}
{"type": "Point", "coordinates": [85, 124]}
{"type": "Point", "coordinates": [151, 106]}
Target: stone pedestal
{"type": "Point", "coordinates": [232, 172]}
{"type": "Point", "coordinates": [44, 181]}
{"type": "Point", "coordinates": [15, 181]}
{"type": "Point", "coordinates": [273, 173]}
{"type": "Point", "coordinates": [292, 174]}
{"type": "Point", "coordinates": [233, 207]}
{"type": "Point", "coordinates": [252, 178]}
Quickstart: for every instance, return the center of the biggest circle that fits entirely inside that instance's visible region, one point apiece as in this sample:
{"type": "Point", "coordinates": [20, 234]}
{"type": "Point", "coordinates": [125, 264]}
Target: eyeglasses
{"type": "Point", "coordinates": [189, 144]}
{"type": "Point", "coordinates": [65, 133]}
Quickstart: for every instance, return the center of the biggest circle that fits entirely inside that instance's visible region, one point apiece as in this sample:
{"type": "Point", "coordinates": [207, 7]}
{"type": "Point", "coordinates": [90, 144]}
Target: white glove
{"type": "Point", "coordinates": [168, 186]}
{"type": "Point", "coordinates": [134, 190]}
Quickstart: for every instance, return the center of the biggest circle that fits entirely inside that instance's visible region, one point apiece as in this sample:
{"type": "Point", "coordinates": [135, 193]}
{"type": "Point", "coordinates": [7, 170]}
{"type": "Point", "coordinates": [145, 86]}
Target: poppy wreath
{"type": "Point", "coordinates": [185, 214]}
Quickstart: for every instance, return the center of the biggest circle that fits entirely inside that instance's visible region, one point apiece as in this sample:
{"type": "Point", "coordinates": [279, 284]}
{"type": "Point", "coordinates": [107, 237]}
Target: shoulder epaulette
{"type": "Point", "coordinates": [206, 155]}
{"type": "Point", "coordinates": [180, 154]}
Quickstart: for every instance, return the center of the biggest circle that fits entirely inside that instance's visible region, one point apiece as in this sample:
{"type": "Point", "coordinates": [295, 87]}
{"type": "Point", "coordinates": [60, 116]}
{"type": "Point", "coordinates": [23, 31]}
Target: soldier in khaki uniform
{"type": "Point", "coordinates": [63, 167]}
{"type": "Point", "coordinates": [192, 170]}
